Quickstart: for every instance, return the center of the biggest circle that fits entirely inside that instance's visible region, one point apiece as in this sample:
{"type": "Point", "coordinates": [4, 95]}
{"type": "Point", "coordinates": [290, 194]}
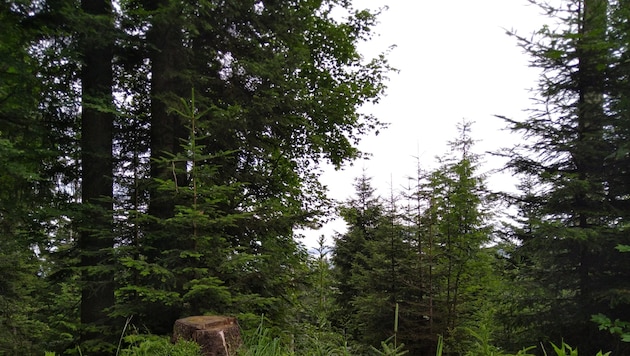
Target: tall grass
{"type": "Point", "coordinates": [262, 342]}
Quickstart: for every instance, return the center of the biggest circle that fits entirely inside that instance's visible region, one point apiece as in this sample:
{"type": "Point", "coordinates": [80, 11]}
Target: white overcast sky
{"type": "Point", "coordinates": [456, 62]}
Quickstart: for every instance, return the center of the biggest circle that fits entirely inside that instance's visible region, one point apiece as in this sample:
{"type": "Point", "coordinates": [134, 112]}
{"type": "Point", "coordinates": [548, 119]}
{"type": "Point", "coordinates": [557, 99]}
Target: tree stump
{"type": "Point", "coordinates": [217, 335]}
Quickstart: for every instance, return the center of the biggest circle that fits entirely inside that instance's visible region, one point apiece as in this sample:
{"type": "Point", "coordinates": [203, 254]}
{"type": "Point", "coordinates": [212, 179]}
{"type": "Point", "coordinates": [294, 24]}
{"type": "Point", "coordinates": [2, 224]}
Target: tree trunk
{"type": "Point", "coordinates": [167, 131]}
{"type": "Point", "coordinates": [591, 147]}
{"type": "Point", "coordinates": [166, 55]}
{"type": "Point", "coordinates": [96, 239]}
{"type": "Point", "coordinates": [216, 335]}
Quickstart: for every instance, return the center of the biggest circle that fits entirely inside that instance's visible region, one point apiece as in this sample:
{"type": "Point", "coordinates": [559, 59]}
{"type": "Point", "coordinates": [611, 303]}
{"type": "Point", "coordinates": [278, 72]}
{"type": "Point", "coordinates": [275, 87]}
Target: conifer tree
{"type": "Point", "coordinates": [352, 253]}
{"type": "Point", "coordinates": [197, 204]}
{"type": "Point", "coordinates": [20, 314]}
{"type": "Point", "coordinates": [432, 259]}
{"type": "Point", "coordinates": [312, 329]}
{"type": "Point", "coordinates": [417, 305]}
{"type": "Point", "coordinates": [370, 262]}
{"type": "Point", "coordinates": [96, 240]}
{"type": "Point", "coordinates": [29, 202]}
{"type": "Point", "coordinates": [260, 88]}
{"type": "Point", "coordinates": [458, 214]}
{"type": "Point", "coordinates": [572, 159]}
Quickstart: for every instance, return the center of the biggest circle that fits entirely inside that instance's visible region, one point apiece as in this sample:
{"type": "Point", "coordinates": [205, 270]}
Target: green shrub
{"type": "Point", "coordinates": [150, 345]}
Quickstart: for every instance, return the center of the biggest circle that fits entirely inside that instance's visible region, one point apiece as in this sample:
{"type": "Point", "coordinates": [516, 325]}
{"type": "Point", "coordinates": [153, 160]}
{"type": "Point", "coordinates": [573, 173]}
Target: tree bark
{"type": "Point", "coordinates": [591, 146]}
{"type": "Point", "coordinates": [167, 60]}
{"type": "Point", "coordinates": [96, 238]}
{"type": "Point", "coordinates": [216, 335]}
{"type": "Point", "coordinates": [590, 151]}
{"type": "Point", "coordinates": [167, 130]}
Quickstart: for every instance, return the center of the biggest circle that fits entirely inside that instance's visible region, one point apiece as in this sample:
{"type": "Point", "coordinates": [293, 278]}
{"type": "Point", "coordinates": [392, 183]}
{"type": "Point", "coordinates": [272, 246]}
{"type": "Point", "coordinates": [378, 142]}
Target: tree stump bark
{"type": "Point", "coordinates": [217, 335]}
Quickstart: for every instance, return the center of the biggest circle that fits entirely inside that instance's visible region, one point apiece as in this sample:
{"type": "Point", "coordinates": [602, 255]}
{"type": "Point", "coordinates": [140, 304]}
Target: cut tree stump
{"type": "Point", "coordinates": [217, 335]}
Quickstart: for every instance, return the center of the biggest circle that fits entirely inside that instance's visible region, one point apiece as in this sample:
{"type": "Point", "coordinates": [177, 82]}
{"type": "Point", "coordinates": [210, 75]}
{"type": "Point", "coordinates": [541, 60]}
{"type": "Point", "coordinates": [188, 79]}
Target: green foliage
{"type": "Point", "coordinates": [206, 190]}
{"type": "Point", "coordinates": [389, 348]}
{"type": "Point", "coordinates": [147, 345]}
{"type": "Point", "coordinates": [616, 327]}
{"type": "Point", "coordinates": [367, 262]}
{"type": "Point", "coordinates": [483, 348]}
{"type": "Point", "coordinates": [237, 175]}
{"type": "Point", "coordinates": [20, 316]}
{"type": "Point", "coordinates": [453, 229]}
{"type": "Point", "coordinates": [216, 246]}
{"type": "Point", "coordinates": [310, 329]}
{"type": "Point", "coordinates": [262, 343]}
{"type": "Point", "coordinates": [573, 204]}
{"type": "Point", "coordinates": [483, 341]}
{"type": "Point", "coordinates": [440, 346]}
{"type": "Point", "coordinates": [24, 191]}
{"type": "Point", "coordinates": [566, 350]}
{"type": "Point", "coordinates": [429, 260]}
{"type": "Point", "coordinates": [152, 345]}
{"type": "Point", "coordinates": [209, 186]}
{"type": "Point", "coordinates": [321, 342]}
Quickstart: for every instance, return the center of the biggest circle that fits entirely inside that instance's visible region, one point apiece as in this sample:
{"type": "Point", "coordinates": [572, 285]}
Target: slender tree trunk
{"type": "Point", "coordinates": [449, 273]}
{"type": "Point", "coordinates": [96, 237]}
{"type": "Point", "coordinates": [431, 261]}
{"type": "Point", "coordinates": [167, 131]}
{"type": "Point", "coordinates": [590, 151]}
{"type": "Point", "coordinates": [589, 154]}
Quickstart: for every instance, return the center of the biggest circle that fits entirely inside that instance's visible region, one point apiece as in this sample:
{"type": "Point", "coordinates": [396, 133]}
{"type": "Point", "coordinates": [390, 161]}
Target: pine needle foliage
{"type": "Point", "coordinates": [573, 210]}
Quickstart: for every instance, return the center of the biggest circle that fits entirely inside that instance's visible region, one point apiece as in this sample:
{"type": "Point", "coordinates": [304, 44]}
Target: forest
{"type": "Point", "coordinates": [159, 156]}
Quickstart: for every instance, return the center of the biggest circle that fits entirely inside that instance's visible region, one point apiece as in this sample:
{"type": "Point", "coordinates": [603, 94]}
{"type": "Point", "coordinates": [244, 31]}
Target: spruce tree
{"type": "Point", "coordinates": [263, 128]}
{"type": "Point", "coordinates": [417, 306]}
{"type": "Point", "coordinates": [458, 214]}
{"type": "Point", "coordinates": [177, 209]}
{"type": "Point", "coordinates": [29, 200]}
{"type": "Point", "coordinates": [96, 240]}
{"type": "Point", "coordinates": [20, 141]}
{"type": "Point", "coordinates": [370, 262]}
{"type": "Point", "coordinates": [352, 253]}
{"type": "Point", "coordinates": [572, 160]}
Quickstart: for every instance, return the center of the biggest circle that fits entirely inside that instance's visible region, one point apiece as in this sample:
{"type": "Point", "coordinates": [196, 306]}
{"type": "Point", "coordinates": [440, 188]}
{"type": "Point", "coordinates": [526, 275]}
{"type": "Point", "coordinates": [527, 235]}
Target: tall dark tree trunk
{"type": "Point", "coordinates": [96, 238]}
{"type": "Point", "coordinates": [591, 147]}
{"type": "Point", "coordinates": [167, 132]}
{"type": "Point", "coordinates": [166, 54]}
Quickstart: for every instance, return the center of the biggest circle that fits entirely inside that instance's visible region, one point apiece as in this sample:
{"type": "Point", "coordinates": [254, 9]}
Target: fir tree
{"type": "Point", "coordinates": [96, 240]}
{"type": "Point", "coordinates": [368, 265]}
{"type": "Point", "coordinates": [572, 161]}
{"type": "Point", "coordinates": [458, 216]}
{"type": "Point", "coordinates": [177, 209]}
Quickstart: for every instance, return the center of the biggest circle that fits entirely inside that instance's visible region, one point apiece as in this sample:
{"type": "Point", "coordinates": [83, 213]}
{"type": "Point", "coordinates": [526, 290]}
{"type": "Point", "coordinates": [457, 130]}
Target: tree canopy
{"type": "Point", "coordinates": [170, 149]}
{"type": "Point", "coordinates": [159, 156]}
